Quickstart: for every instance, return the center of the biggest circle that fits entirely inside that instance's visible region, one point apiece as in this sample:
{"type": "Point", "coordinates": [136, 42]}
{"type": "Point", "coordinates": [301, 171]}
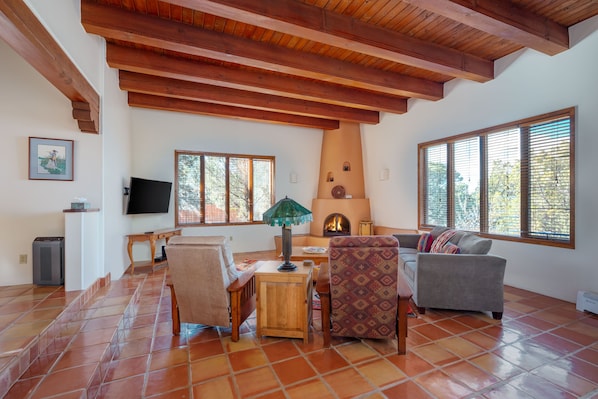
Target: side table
{"type": "Point", "coordinates": [284, 301]}
{"type": "Point", "coordinates": [152, 237]}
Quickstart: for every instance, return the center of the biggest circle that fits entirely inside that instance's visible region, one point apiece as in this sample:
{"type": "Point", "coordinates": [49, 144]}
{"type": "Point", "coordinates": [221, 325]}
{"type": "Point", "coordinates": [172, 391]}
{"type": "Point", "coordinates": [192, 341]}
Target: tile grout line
{"type": "Point", "coordinates": [101, 370]}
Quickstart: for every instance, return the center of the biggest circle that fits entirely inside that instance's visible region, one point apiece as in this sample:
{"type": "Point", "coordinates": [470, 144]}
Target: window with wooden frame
{"type": "Point", "coordinates": [513, 182]}
{"type": "Point", "coordinates": [222, 189]}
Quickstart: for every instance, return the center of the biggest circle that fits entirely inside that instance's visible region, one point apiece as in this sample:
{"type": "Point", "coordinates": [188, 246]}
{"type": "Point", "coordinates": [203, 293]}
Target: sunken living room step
{"type": "Point", "coordinates": [92, 313]}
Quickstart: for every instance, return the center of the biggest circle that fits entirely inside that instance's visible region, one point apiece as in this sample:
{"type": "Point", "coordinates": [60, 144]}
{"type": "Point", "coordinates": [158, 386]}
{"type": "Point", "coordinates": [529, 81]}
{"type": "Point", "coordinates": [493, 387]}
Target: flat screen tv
{"type": "Point", "coordinates": [148, 196]}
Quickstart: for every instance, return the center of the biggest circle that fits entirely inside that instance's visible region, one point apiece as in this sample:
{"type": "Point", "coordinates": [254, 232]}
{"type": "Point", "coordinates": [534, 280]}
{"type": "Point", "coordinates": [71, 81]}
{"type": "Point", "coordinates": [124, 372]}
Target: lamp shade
{"type": "Point", "coordinates": [287, 212]}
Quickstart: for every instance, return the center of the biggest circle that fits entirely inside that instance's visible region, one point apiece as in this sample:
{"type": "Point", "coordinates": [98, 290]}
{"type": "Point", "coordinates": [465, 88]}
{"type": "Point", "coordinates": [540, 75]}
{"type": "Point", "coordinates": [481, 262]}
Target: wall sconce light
{"type": "Point", "coordinates": [329, 177]}
{"type": "Point", "coordinates": [293, 177]}
{"type": "Point", "coordinates": [384, 174]}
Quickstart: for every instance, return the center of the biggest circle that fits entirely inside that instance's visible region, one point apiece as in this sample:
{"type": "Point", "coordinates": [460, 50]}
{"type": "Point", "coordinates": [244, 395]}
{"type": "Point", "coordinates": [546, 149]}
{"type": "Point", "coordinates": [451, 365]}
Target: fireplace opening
{"type": "Point", "coordinates": [337, 224]}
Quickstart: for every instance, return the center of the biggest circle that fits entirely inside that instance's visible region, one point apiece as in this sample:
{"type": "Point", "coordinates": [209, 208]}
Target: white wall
{"type": "Point", "coordinates": [62, 18]}
{"type": "Point", "coordinates": [31, 106]}
{"type": "Point", "coordinates": [527, 83]}
{"type": "Point", "coordinates": [116, 128]}
{"type": "Point", "coordinates": [157, 134]}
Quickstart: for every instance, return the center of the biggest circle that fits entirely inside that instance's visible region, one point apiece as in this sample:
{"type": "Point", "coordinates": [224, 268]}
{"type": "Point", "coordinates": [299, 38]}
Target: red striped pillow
{"type": "Point", "coordinates": [425, 242]}
{"type": "Point", "coordinates": [441, 240]}
{"type": "Point", "coordinates": [451, 249]}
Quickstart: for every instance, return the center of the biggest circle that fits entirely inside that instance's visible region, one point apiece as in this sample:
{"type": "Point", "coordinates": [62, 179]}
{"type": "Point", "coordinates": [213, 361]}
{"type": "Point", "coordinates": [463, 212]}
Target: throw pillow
{"type": "Point", "coordinates": [441, 241]}
{"type": "Point", "coordinates": [425, 242]}
{"type": "Point", "coordinates": [451, 249]}
{"type": "Point", "coordinates": [473, 244]}
{"type": "Point", "coordinates": [438, 230]}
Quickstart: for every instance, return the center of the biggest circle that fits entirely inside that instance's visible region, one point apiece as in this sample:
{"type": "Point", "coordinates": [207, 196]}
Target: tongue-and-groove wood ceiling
{"type": "Point", "coordinates": [315, 62]}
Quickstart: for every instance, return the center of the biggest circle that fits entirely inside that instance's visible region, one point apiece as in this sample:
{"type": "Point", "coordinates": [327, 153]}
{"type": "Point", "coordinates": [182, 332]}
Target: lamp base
{"type": "Point", "coordinates": [287, 267]}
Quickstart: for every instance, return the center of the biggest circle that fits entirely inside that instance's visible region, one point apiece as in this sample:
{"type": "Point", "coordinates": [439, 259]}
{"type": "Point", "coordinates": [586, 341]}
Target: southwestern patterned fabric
{"type": "Point", "coordinates": [363, 286]}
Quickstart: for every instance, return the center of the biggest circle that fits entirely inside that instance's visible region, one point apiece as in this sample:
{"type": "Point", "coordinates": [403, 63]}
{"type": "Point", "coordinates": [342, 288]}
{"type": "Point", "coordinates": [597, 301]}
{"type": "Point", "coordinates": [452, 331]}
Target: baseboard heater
{"type": "Point", "coordinates": [587, 301]}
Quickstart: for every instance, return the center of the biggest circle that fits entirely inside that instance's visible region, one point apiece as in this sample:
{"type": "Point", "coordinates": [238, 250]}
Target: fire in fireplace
{"type": "Point", "coordinates": [337, 224]}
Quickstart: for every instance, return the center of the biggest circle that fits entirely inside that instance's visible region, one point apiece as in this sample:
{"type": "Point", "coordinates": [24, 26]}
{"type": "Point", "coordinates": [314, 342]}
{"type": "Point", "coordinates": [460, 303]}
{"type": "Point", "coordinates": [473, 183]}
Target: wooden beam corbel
{"type": "Point", "coordinates": [21, 29]}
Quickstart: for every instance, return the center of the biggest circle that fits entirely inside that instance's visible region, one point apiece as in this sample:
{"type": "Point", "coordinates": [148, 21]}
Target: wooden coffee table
{"type": "Point", "coordinates": [299, 254]}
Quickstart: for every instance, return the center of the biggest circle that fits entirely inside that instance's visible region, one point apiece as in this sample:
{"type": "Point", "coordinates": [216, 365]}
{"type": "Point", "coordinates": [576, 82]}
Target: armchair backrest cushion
{"type": "Point", "coordinates": [201, 274]}
{"type": "Point", "coordinates": [363, 286]}
{"type": "Point", "coordinates": [222, 242]}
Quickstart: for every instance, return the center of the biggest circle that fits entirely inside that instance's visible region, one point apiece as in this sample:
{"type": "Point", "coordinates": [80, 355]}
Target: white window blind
{"type": "Point", "coordinates": [467, 183]}
{"type": "Point", "coordinates": [436, 212]}
{"type": "Point", "coordinates": [550, 179]}
{"type": "Point", "coordinates": [514, 181]}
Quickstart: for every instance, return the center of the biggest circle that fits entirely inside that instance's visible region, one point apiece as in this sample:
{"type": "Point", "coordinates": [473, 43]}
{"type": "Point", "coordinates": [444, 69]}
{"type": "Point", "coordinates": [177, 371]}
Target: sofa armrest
{"type": "Point", "coordinates": [407, 240]}
{"type": "Point", "coordinates": [460, 281]}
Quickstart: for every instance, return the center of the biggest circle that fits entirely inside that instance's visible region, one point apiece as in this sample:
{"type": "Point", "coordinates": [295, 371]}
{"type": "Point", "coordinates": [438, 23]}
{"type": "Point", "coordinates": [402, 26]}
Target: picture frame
{"type": "Point", "coordinates": [50, 159]}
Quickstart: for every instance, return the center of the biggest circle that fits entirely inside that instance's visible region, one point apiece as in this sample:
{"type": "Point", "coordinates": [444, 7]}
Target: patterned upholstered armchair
{"type": "Point", "coordinates": [360, 291]}
{"type": "Point", "coordinates": [206, 287]}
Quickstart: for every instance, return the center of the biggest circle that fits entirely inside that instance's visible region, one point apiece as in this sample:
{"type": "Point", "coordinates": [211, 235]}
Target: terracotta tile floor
{"type": "Point", "coordinates": [119, 345]}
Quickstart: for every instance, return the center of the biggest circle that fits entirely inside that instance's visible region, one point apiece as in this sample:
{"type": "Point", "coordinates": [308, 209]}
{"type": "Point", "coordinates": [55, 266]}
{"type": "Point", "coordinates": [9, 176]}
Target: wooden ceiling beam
{"type": "Point", "coordinates": [167, 87]}
{"type": "Point", "coordinates": [21, 29]}
{"type": "Point", "coordinates": [503, 18]}
{"type": "Point", "coordinates": [320, 25]}
{"type": "Point", "coordinates": [118, 24]}
{"type": "Point", "coordinates": [195, 107]}
{"type": "Point", "coordinates": [152, 63]}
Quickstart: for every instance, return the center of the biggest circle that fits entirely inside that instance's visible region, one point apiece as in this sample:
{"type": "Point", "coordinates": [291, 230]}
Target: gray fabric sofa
{"type": "Point", "coordinates": [471, 280]}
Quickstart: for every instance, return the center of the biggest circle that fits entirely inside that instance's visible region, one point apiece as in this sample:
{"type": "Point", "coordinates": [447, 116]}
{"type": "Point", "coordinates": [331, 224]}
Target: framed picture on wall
{"type": "Point", "coordinates": [50, 159]}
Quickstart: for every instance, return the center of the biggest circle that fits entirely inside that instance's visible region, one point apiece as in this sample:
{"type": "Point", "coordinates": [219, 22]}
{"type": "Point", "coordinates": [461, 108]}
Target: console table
{"type": "Point", "coordinates": [152, 237]}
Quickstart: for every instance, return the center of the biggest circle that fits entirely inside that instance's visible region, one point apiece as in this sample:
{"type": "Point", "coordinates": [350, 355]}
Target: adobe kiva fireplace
{"type": "Point", "coordinates": [341, 202]}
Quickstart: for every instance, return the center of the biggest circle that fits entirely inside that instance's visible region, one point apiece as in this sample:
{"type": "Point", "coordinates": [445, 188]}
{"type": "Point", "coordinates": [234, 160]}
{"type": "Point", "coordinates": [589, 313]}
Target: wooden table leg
{"type": "Point", "coordinates": [153, 251]}
{"type": "Point", "coordinates": [130, 250]}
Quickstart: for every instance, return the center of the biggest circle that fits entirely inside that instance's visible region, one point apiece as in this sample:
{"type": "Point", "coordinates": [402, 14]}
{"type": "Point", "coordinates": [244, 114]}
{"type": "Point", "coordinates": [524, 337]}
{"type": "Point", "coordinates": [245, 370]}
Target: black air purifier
{"type": "Point", "coordinates": [48, 261]}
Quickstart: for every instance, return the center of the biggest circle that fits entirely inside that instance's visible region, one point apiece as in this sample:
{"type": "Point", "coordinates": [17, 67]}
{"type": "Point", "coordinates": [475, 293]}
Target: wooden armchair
{"type": "Point", "coordinates": [360, 291]}
{"type": "Point", "coordinates": [205, 286]}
